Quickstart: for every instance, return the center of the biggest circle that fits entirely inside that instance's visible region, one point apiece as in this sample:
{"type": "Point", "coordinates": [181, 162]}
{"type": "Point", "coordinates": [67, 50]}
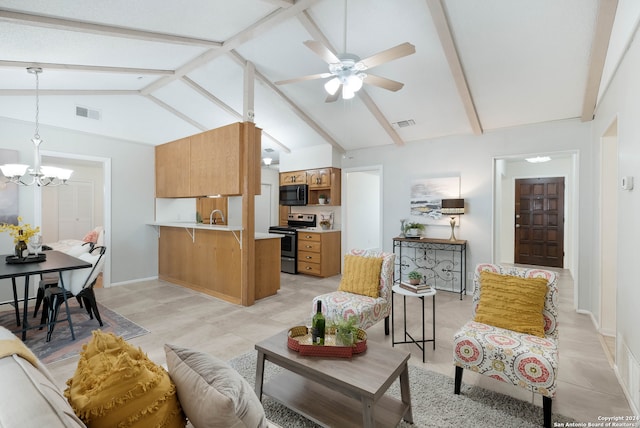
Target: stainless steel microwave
{"type": "Point", "coordinates": [294, 194]}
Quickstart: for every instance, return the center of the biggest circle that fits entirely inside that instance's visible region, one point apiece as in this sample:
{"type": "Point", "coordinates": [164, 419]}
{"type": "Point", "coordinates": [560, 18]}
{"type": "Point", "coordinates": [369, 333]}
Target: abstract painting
{"type": "Point", "coordinates": [8, 191]}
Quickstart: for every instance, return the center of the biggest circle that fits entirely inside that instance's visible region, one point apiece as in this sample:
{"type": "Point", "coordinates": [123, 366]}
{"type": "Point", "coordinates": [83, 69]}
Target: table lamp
{"type": "Point", "coordinates": [452, 207]}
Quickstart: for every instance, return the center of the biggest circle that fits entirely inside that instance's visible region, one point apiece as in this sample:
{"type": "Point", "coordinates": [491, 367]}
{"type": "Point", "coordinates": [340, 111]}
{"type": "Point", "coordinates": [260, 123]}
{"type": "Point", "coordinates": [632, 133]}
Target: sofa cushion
{"type": "Point", "coordinates": [512, 302]}
{"type": "Point", "coordinates": [29, 397]}
{"type": "Point", "coordinates": [361, 275]}
{"type": "Point", "coordinates": [116, 385]}
{"type": "Point", "coordinates": [212, 393]}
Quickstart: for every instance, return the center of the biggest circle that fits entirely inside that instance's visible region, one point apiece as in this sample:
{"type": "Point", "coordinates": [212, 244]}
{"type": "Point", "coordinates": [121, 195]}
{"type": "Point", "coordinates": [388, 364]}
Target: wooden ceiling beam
{"type": "Point", "coordinates": [230, 110]}
{"type": "Point", "coordinates": [297, 110]}
{"type": "Point", "coordinates": [604, 24]}
{"type": "Point", "coordinates": [172, 110]}
{"type": "Point", "coordinates": [101, 29]}
{"type": "Point", "coordinates": [25, 92]}
{"type": "Point", "coordinates": [451, 53]}
{"type": "Point", "coordinates": [90, 68]}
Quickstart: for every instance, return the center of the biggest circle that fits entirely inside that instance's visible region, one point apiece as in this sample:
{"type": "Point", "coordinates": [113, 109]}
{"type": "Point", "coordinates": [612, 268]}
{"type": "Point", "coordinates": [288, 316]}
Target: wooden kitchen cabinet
{"type": "Point", "coordinates": [172, 169]}
{"type": "Point", "coordinates": [319, 253]}
{"type": "Point", "coordinates": [293, 177]}
{"type": "Point", "coordinates": [319, 178]}
{"type": "Point", "coordinates": [208, 163]}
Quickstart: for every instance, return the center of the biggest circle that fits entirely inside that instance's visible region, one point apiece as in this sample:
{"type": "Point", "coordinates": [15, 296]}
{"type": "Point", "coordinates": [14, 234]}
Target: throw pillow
{"type": "Point", "coordinates": [512, 302]}
{"type": "Point", "coordinates": [361, 275]}
{"type": "Point", "coordinates": [116, 385]}
{"type": "Point", "coordinates": [91, 236]}
{"type": "Point", "coordinates": [211, 392]}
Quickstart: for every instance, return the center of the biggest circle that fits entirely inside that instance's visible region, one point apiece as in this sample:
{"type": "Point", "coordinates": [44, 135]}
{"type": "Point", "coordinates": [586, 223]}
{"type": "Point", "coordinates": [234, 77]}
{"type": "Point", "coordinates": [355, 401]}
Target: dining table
{"type": "Point", "coordinates": [55, 261]}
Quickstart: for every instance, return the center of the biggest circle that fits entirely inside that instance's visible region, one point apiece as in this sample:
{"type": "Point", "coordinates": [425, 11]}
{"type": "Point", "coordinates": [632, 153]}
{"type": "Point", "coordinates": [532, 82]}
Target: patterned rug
{"type": "Point", "coordinates": [61, 346]}
{"type": "Point", "coordinates": [433, 402]}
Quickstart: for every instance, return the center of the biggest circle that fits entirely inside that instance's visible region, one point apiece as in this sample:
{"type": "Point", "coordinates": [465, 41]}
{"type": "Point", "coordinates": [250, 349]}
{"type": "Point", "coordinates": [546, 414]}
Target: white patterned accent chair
{"type": "Point", "coordinates": [524, 360]}
{"type": "Point", "coordinates": [368, 310]}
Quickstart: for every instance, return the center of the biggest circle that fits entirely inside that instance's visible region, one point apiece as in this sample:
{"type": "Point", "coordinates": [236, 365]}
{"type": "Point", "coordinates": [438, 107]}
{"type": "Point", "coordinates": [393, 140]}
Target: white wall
{"type": "Point", "coordinates": [471, 158]}
{"type": "Point", "coordinates": [621, 102]}
{"type": "Point", "coordinates": [134, 245]}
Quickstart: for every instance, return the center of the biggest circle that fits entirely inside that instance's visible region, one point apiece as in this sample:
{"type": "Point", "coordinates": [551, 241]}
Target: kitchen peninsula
{"type": "Point", "coordinates": [207, 258]}
{"type": "Point", "coordinates": [227, 260]}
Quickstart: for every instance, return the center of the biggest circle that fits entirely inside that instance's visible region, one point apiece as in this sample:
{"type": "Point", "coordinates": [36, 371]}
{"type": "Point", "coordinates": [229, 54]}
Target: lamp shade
{"type": "Point", "coordinates": [452, 206]}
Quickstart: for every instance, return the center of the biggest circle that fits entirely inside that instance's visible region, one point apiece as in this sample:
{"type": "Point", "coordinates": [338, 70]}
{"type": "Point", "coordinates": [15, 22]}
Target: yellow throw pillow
{"type": "Point", "coordinates": [512, 302]}
{"type": "Point", "coordinates": [361, 275]}
{"type": "Point", "coordinates": [117, 385]}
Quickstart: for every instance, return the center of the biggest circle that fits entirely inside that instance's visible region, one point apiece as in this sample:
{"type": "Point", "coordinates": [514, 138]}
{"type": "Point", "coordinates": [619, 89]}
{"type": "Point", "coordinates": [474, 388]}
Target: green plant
{"type": "Point", "coordinates": [322, 196]}
{"type": "Point", "coordinates": [414, 274]}
{"type": "Point", "coordinates": [346, 330]}
{"type": "Point", "coordinates": [418, 226]}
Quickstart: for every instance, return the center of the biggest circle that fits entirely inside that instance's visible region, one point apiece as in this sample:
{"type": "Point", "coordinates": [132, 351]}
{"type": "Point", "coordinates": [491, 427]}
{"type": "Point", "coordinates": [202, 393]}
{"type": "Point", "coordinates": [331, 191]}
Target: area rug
{"type": "Point", "coordinates": [61, 346]}
{"type": "Point", "coordinates": [432, 398]}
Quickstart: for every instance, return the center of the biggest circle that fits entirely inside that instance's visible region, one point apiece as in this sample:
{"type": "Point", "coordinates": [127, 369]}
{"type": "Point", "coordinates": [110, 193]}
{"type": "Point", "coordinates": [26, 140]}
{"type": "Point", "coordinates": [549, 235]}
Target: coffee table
{"type": "Point", "coordinates": [336, 392]}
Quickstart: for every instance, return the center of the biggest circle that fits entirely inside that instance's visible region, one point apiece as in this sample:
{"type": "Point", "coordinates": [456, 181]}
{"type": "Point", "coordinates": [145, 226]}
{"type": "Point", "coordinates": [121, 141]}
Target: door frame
{"type": "Point", "coordinates": [501, 223]}
{"type": "Point", "coordinates": [106, 215]}
{"type": "Point", "coordinates": [344, 211]}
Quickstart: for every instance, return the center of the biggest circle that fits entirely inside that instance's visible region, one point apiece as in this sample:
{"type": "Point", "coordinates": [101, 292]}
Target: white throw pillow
{"type": "Point", "coordinates": [211, 393]}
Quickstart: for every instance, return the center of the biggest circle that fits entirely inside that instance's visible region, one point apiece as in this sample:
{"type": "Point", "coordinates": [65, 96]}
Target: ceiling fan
{"type": "Point", "coordinates": [347, 71]}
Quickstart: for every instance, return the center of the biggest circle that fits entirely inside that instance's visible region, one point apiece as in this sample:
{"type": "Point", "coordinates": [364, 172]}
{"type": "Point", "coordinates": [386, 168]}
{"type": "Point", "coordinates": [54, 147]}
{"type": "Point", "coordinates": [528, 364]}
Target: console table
{"type": "Point", "coordinates": [442, 262]}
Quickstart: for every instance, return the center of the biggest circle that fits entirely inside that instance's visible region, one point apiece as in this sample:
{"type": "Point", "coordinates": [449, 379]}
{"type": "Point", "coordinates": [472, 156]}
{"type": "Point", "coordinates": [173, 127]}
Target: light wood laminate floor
{"type": "Point", "coordinates": [587, 387]}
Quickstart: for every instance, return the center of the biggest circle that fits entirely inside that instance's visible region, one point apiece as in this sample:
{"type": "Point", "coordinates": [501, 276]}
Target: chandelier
{"type": "Point", "coordinates": [40, 175]}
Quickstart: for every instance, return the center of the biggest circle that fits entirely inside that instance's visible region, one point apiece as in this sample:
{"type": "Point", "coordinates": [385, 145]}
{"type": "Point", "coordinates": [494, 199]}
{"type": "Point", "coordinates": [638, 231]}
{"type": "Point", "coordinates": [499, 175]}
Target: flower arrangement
{"type": "Point", "coordinates": [14, 230]}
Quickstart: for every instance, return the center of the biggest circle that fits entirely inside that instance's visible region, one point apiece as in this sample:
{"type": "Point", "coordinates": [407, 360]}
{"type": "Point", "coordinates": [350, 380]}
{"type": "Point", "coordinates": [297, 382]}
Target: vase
{"type": "Point", "coordinates": [21, 249]}
{"type": "Point", "coordinates": [344, 338]}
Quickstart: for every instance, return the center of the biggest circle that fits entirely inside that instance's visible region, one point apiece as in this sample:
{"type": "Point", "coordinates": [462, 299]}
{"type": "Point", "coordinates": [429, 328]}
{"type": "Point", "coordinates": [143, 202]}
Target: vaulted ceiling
{"type": "Point", "coordinates": [153, 71]}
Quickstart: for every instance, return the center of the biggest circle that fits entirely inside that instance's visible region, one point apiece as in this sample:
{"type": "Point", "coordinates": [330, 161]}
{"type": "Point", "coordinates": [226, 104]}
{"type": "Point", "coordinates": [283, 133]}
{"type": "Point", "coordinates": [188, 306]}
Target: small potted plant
{"type": "Point", "coordinates": [413, 229]}
{"type": "Point", "coordinates": [322, 198]}
{"type": "Point", "coordinates": [346, 331]}
{"type": "Point", "coordinates": [325, 224]}
{"type": "Point", "coordinates": [414, 277]}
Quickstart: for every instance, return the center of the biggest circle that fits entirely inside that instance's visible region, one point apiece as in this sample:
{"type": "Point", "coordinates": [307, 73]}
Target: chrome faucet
{"type": "Point", "coordinates": [212, 220]}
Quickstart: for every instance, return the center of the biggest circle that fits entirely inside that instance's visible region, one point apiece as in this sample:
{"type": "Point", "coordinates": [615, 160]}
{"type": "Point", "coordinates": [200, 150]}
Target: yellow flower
{"type": "Point", "coordinates": [14, 230]}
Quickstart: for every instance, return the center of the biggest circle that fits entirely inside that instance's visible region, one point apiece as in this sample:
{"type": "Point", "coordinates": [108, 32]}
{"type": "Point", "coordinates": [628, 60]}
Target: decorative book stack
{"type": "Point", "coordinates": [420, 288]}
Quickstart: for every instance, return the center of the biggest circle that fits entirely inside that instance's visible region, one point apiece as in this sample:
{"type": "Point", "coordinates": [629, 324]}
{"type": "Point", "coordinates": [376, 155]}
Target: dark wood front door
{"type": "Point", "coordinates": [539, 211]}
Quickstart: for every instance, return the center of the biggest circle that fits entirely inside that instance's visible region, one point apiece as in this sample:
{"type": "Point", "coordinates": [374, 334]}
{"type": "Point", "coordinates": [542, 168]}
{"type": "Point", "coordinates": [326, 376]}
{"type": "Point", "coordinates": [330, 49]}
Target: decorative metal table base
{"type": "Point", "coordinates": [408, 338]}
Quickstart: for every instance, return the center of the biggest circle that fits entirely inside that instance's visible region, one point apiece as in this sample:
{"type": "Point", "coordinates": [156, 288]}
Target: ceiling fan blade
{"type": "Point", "coordinates": [383, 82]}
{"type": "Point", "coordinates": [390, 54]}
{"type": "Point", "coordinates": [303, 78]}
{"type": "Point", "coordinates": [334, 97]}
{"type": "Point", "coordinates": [322, 51]}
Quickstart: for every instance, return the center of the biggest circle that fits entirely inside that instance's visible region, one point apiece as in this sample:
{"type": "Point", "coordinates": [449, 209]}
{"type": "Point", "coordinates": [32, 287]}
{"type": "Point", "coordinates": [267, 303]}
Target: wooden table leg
{"type": "Point", "coordinates": [405, 393]}
{"type": "Point", "coordinates": [368, 420]}
{"type": "Point", "coordinates": [259, 374]}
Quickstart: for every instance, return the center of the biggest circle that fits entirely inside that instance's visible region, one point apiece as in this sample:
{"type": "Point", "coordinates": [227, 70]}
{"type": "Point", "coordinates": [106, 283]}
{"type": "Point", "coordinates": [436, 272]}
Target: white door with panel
{"type": "Point", "coordinates": [75, 210]}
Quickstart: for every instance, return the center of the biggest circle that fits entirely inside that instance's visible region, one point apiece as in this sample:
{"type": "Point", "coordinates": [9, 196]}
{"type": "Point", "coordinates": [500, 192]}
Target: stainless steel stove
{"type": "Point", "coordinates": [289, 242]}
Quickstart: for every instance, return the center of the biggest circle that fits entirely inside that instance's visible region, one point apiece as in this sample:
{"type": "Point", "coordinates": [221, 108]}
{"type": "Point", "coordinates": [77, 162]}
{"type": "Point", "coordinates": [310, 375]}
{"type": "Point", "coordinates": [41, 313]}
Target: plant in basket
{"type": "Point", "coordinates": [346, 330]}
{"type": "Point", "coordinates": [414, 277]}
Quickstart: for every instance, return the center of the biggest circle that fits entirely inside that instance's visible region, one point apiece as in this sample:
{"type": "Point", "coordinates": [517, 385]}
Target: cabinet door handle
{"type": "Point", "coordinates": [309, 257]}
{"type": "Point", "coordinates": [308, 246]}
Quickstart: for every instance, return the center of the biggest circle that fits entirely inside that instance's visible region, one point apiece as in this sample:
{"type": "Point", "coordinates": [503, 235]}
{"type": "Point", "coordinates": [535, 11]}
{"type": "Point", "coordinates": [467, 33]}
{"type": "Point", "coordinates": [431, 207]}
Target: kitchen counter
{"type": "Point", "coordinates": [261, 235]}
{"type": "Point", "coordinates": [191, 225]}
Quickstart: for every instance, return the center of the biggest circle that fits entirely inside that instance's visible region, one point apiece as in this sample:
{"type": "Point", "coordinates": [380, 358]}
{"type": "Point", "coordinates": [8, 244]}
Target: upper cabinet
{"type": "Point", "coordinates": [322, 182]}
{"type": "Point", "coordinates": [319, 178]}
{"type": "Point", "coordinates": [172, 169]}
{"type": "Point", "coordinates": [293, 177]}
{"type": "Point", "coordinates": [209, 163]}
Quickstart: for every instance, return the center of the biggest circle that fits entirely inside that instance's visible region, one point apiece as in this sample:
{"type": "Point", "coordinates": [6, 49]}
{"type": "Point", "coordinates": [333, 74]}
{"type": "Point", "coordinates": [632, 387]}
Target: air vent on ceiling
{"type": "Point", "coordinates": [87, 112]}
{"type": "Point", "coordinates": [405, 123]}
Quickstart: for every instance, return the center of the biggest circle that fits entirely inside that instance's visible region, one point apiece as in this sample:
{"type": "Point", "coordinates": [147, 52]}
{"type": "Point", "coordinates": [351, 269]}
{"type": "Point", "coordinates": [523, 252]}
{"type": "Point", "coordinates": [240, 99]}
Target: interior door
{"type": "Point", "coordinates": [75, 210]}
{"type": "Point", "coordinates": [539, 223]}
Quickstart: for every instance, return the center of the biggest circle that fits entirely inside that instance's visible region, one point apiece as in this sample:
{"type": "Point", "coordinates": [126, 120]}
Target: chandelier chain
{"type": "Point", "coordinates": [37, 134]}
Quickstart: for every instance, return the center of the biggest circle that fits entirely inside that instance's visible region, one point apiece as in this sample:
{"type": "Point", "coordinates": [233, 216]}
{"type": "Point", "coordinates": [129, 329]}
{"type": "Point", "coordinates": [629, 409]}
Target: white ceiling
{"type": "Point", "coordinates": [158, 70]}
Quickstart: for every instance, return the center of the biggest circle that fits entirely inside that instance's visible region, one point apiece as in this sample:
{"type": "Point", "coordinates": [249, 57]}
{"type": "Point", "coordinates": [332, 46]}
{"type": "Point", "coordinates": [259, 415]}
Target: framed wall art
{"type": "Point", "coordinates": [426, 197]}
{"type": "Point", "coordinates": [8, 191]}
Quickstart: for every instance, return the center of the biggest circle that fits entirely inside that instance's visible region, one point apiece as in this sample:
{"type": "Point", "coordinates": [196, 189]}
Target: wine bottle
{"type": "Point", "coordinates": [317, 326]}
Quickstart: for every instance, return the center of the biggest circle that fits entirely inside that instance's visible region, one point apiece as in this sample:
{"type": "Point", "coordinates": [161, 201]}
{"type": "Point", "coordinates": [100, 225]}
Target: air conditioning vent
{"type": "Point", "coordinates": [87, 112]}
{"type": "Point", "coordinates": [405, 123]}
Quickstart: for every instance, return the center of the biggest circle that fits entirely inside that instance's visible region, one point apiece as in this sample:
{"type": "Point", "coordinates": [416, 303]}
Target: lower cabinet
{"type": "Point", "coordinates": [319, 253]}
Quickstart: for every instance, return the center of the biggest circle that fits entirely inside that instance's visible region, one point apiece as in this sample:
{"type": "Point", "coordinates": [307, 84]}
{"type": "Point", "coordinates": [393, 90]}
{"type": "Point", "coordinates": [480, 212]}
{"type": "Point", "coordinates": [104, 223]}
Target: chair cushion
{"type": "Point", "coordinates": [115, 384]}
{"type": "Point", "coordinates": [211, 392]}
{"type": "Point", "coordinates": [361, 275]}
{"type": "Point", "coordinates": [512, 302]}
{"type": "Point", "coordinates": [522, 360]}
